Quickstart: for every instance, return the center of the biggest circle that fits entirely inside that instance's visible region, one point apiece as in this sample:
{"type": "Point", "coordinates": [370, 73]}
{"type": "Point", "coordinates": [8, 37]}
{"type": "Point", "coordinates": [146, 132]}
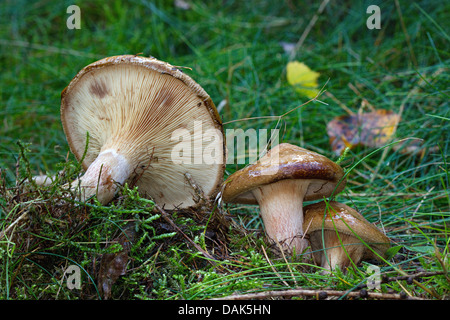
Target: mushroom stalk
{"type": "Point", "coordinates": [332, 254]}
{"type": "Point", "coordinates": [340, 236]}
{"type": "Point", "coordinates": [281, 209]}
{"type": "Point", "coordinates": [102, 176]}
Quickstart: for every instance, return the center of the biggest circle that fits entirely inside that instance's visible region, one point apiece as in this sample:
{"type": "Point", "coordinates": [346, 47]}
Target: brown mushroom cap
{"type": "Point", "coordinates": [286, 161]}
{"type": "Point", "coordinates": [133, 105]}
{"type": "Point", "coordinates": [345, 220]}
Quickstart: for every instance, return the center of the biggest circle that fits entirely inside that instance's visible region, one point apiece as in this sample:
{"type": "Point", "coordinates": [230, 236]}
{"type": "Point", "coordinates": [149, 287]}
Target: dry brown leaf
{"type": "Point", "coordinates": [114, 265]}
{"type": "Point", "coordinates": [371, 129]}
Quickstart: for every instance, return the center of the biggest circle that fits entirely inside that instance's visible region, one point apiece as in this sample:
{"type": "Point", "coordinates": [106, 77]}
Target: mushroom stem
{"type": "Point", "coordinates": [102, 176]}
{"type": "Point", "coordinates": [333, 254]}
{"type": "Point", "coordinates": [281, 209]}
{"type": "Point", "coordinates": [43, 180]}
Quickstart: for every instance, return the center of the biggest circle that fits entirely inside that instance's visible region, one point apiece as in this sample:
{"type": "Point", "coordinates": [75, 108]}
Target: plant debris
{"type": "Point", "coordinates": [370, 129]}
{"type": "Point", "coordinates": [113, 265]}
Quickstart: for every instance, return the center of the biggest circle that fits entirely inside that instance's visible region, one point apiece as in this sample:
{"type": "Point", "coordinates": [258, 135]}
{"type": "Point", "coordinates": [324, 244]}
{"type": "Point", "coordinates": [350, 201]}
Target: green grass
{"type": "Point", "coordinates": [234, 51]}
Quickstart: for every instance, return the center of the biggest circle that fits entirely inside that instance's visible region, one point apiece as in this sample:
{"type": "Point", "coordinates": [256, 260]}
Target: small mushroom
{"type": "Point", "coordinates": [279, 182]}
{"type": "Point", "coordinates": [348, 235]}
{"type": "Point", "coordinates": [131, 106]}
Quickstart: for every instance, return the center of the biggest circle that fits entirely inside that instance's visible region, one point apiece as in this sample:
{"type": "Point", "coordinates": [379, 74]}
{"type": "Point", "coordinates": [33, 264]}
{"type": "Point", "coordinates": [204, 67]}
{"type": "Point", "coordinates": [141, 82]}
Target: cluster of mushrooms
{"type": "Point", "coordinates": [129, 106]}
{"type": "Point", "coordinates": [280, 182]}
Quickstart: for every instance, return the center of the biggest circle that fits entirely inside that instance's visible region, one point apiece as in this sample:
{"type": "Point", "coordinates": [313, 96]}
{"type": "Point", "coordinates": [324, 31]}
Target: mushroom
{"type": "Point", "coordinates": [43, 180]}
{"type": "Point", "coordinates": [348, 235]}
{"type": "Point", "coordinates": [131, 107]}
{"type": "Point", "coordinates": [279, 182]}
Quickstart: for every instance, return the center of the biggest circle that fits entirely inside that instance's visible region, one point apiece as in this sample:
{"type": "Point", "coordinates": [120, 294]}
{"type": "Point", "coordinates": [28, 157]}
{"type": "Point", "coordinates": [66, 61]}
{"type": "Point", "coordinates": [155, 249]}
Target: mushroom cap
{"type": "Point", "coordinates": [344, 220]}
{"type": "Point", "coordinates": [285, 161]}
{"type": "Point", "coordinates": [133, 105]}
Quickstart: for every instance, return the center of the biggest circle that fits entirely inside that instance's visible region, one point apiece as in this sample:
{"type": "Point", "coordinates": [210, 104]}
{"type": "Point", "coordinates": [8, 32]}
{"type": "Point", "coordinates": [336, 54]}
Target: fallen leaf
{"type": "Point", "coordinates": [371, 129]}
{"type": "Point", "coordinates": [302, 78]}
{"type": "Point", "coordinates": [114, 265]}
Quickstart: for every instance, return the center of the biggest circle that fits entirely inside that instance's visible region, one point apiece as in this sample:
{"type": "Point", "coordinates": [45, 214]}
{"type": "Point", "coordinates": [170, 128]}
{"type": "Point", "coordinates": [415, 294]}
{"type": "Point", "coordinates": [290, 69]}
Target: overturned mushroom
{"type": "Point", "coordinates": [138, 111]}
{"type": "Point", "coordinates": [279, 182]}
{"type": "Point", "coordinates": [348, 235]}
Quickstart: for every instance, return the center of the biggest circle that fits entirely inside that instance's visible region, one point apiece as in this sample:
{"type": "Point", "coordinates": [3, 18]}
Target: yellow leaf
{"type": "Point", "coordinates": [302, 78]}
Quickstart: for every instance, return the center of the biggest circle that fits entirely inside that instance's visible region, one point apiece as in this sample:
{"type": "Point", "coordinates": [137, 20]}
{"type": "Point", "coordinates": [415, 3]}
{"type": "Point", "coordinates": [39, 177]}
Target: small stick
{"type": "Point", "coordinates": [308, 28]}
{"type": "Point", "coordinates": [136, 179]}
{"type": "Point", "coordinates": [3, 233]}
{"type": "Point", "coordinates": [317, 293]}
{"type": "Point", "coordinates": [166, 217]}
{"type": "Point", "coordinates": [273, 268]}
{"type": "Point", "coordinates": [198, 190]}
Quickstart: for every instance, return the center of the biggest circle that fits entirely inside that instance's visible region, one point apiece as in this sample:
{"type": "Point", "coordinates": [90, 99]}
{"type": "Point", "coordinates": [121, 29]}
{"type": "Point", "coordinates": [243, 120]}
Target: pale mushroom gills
{"type": "Point", "coordinates": [279, 183]}
{"type": "Point", "coordinates": [131, 106]}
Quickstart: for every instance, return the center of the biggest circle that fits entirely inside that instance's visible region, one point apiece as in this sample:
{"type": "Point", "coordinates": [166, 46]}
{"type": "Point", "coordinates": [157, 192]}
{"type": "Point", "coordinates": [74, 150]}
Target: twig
{"type": "Point", "coordinates": [198, 190]}
{"type": "Point", "coordinates": [166, 217]}
{"type": "Point", "coordinates": [23, 215]}
{"type": "Point", "coordinates": [273, 268]}
{"type": "Point", "coordinates": [310, 25]}
{"type": "Point", "coordinates": [136, 179]}
{"type": "Point", "coordinates": [405, 32]}
{"type": "Point", "coordinates": [340, 103]}
{"type": "Point", "coordinates": [323, 294]}
{"type": "Point", "coordinates": [285, 260]}
{"type": "Point", "coordinates": [422, 201]}
{"type": "Point", "coordinates": [319, 294]}
{"type": "Point", "coordinates": [364, 101]}
{"type": "Point", "coordinates": [412, 276]}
